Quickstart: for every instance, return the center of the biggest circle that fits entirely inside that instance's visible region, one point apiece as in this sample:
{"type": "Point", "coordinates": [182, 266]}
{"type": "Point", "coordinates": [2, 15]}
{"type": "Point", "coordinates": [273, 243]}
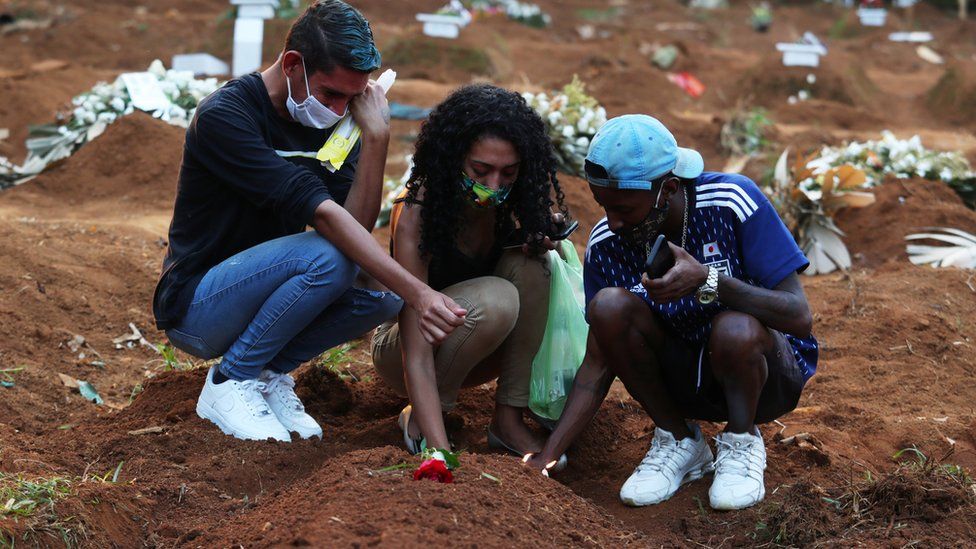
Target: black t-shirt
{"type": "Point", "coordinates": [236, 191]}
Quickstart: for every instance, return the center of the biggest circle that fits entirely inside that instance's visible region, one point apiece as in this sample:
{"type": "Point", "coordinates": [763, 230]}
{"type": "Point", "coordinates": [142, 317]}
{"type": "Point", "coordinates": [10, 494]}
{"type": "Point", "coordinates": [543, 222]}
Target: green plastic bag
{"type": "Point", "coordinates": [564, 343]}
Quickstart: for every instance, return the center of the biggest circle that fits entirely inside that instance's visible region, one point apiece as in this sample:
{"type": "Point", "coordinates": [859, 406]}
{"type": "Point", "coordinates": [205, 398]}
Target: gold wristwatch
{"type": "Point", "coordinates": [708, 292]}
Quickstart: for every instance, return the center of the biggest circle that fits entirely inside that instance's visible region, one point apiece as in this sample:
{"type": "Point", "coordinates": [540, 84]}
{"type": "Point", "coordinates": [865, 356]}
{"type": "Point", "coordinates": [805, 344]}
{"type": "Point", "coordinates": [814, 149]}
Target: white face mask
{"type": "Point", "coordinates": [311, 113]}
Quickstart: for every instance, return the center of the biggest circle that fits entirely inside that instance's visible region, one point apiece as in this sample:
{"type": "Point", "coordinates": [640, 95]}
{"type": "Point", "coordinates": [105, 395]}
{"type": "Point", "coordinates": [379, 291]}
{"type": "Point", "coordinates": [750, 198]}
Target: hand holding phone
{"type": "Point", "coordinates": [562, 230]}
{"type": "Point", "coordinates": [555, 233]}
{"type": "Point", "coordinates": [660, 259]}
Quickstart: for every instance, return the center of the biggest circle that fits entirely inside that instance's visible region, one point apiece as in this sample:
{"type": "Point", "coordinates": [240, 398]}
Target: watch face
{"type": "Point", "coordinates": [706, 297]}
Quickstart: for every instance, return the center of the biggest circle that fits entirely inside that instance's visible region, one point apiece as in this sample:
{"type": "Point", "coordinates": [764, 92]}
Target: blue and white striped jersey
{"type": "Point", "coordinates": [731, 226]}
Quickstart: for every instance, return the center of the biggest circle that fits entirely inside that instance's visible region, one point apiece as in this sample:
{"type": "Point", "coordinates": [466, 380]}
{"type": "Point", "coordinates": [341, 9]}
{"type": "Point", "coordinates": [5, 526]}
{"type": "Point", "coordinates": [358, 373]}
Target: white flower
{"type": "Point", "coordinates": [803, 95]}
{"type": "Point", "coordinates": [157, 68]}
{"type": "Point", "coordinates": [554, 117]}
{"type": "Point", "coordinates": [583, 126]}
{"type": "Point", "coordinates": [568, 131]}
{"type": "Point", "coordinates": [811, 79]}
{"type": "Point", "coordinates": [791, 100]}
{"type": "Point", "coordinates": [118, 104]}
{"type": "Point", "coordinates": [583, 142]}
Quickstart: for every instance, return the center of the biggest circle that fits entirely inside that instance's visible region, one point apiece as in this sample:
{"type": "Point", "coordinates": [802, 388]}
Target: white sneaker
{"type": "Point", "coordinates": [279, 393]}
{"type": "Point", "coordinates": [667, 465]}
{"type": "Point", "coordinates": [738, 471]}
{"type": "Point", "coordinates": [239, 409]}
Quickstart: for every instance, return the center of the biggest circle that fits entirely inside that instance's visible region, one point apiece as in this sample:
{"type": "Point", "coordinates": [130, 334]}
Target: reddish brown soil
{"type": "Point", "coordinates": [908, 206]}
{"type": "Point", "coordinates": [80, 248]}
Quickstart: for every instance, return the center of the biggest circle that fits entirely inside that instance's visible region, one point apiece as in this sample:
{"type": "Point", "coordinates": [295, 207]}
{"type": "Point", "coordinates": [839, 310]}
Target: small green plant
{"type": "Point", "coordinates": [170, 360]}
{"type": "Point", "coordinates": [336, 360]}
{"type": "Point", "coordinates": [135, 392]}
{"type": "Point", "coordinates": [842, 29]}
{"type": "Point", "coordinates": [109, 477]}
{"type": "Point", "coordinates": [746, 131]}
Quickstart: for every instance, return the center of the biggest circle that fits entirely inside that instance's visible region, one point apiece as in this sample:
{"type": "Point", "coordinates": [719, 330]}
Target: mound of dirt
{"type": "Point", "coordinates": [929, 493]}
{"type": "Point", "coordinates": [876, 234]}
{"type": "Point", "coordinates": [770, 83]}
{"type": "Point", "coordinates": [951, 99]}
{"type": "Point", "coordinates": [134, 164]}
{"type": "Point", "coordinates": [801, 519]}
{"type": "Point", "coordinates": [493, 502]}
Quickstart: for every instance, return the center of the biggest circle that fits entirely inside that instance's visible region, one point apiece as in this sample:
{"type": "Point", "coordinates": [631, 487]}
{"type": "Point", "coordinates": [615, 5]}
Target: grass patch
{"type": "Point", "coordinates": [920, 490]}
{"type": "Point", "coordinates": [31, 502]}
{"type": "Point", "coordinates": [419, 52]}
{"type": "Point", "coordinates": [598, 15]}
{"type": "Point", "coordinates": [843, 28]}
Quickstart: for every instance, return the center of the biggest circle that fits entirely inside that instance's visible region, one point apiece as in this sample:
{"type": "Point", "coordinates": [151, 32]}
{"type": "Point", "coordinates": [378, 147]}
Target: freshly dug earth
{"type": "Point", "coordinates": [876, 234]}
{"type": "Point", "coordinates": [81, 247]}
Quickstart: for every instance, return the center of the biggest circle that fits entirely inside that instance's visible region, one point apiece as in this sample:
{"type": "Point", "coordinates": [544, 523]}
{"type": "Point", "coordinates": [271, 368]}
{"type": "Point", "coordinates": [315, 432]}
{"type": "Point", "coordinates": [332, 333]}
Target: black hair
{"type": "Point", "coordinates": [332, 33]}
{"type": "Point", "coordinates": [471, 113]}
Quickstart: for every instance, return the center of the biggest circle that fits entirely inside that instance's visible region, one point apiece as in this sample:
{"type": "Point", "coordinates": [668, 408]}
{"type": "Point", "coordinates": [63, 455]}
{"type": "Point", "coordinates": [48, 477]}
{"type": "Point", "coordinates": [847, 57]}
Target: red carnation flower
{"type": "Point", "coordinates": [434, 469]}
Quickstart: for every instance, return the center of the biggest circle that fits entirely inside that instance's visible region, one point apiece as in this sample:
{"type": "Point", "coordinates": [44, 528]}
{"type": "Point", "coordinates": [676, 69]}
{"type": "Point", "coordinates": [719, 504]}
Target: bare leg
{"type": "Point", "coordinates": [738, 350]}
{"type": "Point", "coordinates": [628, 334]}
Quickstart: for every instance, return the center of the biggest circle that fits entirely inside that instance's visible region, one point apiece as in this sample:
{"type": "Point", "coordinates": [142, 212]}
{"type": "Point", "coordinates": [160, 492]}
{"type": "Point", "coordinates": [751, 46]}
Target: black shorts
{"type": "Point", "coordinates": [689, 378]}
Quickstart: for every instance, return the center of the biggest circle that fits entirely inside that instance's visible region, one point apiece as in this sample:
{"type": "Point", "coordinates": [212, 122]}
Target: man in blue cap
{"type": "Point", "coordinates": [724, 335]}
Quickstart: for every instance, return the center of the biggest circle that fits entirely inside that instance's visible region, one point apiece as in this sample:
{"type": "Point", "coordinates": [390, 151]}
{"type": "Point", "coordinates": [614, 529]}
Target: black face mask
{"type": "Point", "coordinates": [649, 227]}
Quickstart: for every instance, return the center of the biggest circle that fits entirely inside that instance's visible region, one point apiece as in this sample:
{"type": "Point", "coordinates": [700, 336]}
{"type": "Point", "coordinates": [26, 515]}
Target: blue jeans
{"type": "Point", "coordinates": [277, 305]}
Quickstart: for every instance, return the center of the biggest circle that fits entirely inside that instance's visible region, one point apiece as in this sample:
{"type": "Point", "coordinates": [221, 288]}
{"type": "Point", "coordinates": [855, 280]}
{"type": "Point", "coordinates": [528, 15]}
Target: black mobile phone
{"type": "Point", "coordinates": [564, 233]}
{"type": "Point", "coordinates": [517, 240]}
{"type": "Point", "coordinates": [660, 259]}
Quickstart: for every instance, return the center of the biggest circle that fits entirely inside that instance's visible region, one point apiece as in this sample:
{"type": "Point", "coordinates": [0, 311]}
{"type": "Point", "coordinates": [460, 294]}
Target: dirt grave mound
{"type": "Point", "coordinates": [769, 83]}
{"type": "Point", "coordinates": [134, 164]}
{"type": "Point", "coordinates": [876, 234]}
{"type": "Point", "coordinates": [493, 502]}
{"type": "Point", "coordinates": [951, 99]}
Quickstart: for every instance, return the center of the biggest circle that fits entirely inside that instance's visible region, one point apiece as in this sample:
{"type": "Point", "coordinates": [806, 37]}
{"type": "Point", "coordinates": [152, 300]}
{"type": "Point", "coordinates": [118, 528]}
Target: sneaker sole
{"type": "Point", "coordinates": [208, 413]}
{"type": "Point", "coordinates": [301, 434]}
{"type": "Point", "coordinates": [690, 476]}
{"type": "Point", "coordinates": [732, 507]}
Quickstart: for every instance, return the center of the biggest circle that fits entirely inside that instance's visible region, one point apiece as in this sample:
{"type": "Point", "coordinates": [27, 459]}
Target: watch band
{"type": "Point", "coordinates": [708, 292]}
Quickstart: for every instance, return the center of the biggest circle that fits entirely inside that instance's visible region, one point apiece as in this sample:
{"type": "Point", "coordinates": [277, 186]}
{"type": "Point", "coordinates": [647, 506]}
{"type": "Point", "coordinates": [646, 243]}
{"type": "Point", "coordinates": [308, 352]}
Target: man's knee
{"type": "Point", "coordinates": [375, 307]}
{"type": "Point", "coordinates": [611, 307]}
{"type": "Point", "coordinates": [326, 264]}
{"type": "Point", "coordinates": [736, 338]}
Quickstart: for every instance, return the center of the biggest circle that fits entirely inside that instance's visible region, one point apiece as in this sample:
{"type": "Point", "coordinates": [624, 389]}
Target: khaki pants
{"type": "Point", "coordinates": [501, 334]}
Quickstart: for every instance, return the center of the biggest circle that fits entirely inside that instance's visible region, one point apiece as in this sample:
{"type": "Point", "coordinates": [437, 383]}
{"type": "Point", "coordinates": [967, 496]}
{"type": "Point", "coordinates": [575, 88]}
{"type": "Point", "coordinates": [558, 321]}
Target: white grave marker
{"type": "Point", "coordinates": [805, 53]}
{"type": "Point", "coordinates": [249, 33]}
{"type": "Point", "coordinates": [872, 17]}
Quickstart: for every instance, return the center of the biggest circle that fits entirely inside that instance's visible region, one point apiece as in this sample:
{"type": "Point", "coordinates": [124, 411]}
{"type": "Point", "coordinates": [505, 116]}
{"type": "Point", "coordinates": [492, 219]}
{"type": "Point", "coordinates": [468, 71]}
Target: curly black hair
{"type": "Point", "coordinates": [471, 113]}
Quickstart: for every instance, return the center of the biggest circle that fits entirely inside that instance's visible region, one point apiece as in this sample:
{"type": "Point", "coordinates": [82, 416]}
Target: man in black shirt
{"type": "Point", "coordinates": [242, 278]}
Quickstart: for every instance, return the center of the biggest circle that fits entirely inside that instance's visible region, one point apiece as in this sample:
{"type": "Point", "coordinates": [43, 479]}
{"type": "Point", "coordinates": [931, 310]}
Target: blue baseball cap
{"type": "Point", "coordinates": [636, 149]}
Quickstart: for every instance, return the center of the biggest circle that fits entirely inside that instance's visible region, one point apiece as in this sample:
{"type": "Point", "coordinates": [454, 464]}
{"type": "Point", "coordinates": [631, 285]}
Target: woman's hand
{"type": "Point", "coordinates": [438, 315]}
{"type": "Point", "coordinates": [546, 243]}
{"type": "Point", "coordinates": [684, 278]}
{"type": "Point", "coordinates": [537, 463]}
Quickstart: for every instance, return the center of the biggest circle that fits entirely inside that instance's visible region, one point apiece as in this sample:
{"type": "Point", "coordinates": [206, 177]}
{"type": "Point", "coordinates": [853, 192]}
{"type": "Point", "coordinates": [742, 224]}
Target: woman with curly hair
{"type": "Point", "coordinates": [484, 177]}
